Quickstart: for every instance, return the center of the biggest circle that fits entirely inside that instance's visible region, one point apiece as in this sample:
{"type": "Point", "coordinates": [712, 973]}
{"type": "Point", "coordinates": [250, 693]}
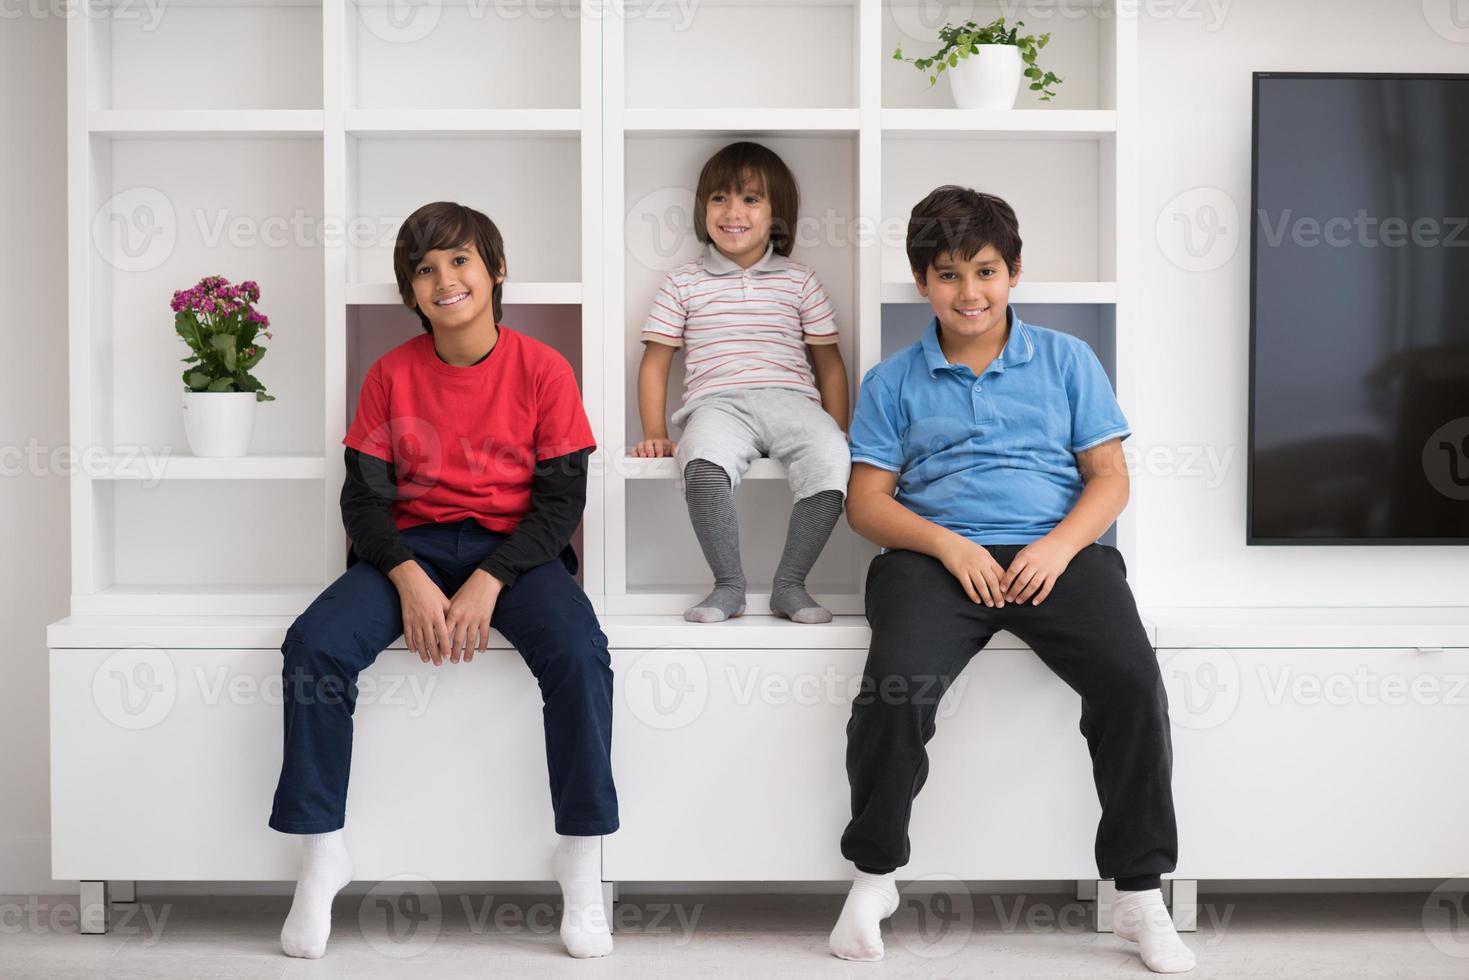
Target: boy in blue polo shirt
{"type": "Point", "coordinates": [986, 461]}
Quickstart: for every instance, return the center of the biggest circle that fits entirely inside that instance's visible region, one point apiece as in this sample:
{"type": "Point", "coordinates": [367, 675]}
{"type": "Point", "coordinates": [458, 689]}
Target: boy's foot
{"type": "Point", "coordinates": [584, 930]}
{"type": "Point", "coordinates": [725, 602]}
{"type": "Point", "coordinates": [793, 602]}
{"type": "Point", "coordinates": [858, 932]}
{"type": "Point", "coordinates": [325, 870]}
{"type": "Point", "coordinates": [1141, 917]}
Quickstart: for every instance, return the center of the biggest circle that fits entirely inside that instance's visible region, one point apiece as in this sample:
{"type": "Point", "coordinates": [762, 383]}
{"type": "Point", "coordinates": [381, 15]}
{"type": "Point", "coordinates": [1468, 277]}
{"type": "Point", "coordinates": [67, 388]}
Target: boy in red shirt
{"type": "Point", "coordinates": [466, 478]}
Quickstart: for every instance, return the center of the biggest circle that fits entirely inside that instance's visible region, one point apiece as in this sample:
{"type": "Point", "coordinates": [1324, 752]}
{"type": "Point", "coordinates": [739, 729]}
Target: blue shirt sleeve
{"type": "Point", "coordinates": [874, 433]}
{"type": "Point", "coordinates": [1095, 414]}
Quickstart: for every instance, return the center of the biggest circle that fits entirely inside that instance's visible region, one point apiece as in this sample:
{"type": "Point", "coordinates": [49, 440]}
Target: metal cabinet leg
{"type": "Point", "coordinates": [1106, 896]}
{"type": "Point", "coordinates": [1185, 905]}
{"type": "Point", "coordinates": [123, 892]}
{"type": "Point", "coordinates": [609, 903]}
{"type": "Point", "coordinates": [94, 911]}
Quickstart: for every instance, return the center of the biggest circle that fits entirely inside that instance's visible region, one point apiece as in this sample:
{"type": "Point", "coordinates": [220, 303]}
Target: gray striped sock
{"type": "Point", "coordinates": [811, 522]}
{"type": "Point", "coordinates": [711, 510]}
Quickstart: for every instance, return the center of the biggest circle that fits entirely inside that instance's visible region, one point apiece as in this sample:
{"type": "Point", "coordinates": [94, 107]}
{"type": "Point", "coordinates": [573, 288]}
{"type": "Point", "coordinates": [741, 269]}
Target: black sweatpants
{"type": "Point", "coordinates": [925, 628]}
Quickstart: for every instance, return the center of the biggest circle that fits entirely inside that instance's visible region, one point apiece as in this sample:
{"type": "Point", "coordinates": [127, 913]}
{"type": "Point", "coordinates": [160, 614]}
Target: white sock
{"type": "Point", "coordinates": [858, 932]}
{"type": "Point", "coordinates": [326, 867]}
{"type": "Point", "coordinates": [578, 867]}
{"type": "Point", "coordinates": [1141, 917]}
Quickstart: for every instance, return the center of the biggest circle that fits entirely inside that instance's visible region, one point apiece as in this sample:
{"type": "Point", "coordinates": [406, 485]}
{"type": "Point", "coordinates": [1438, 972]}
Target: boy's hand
{"type": "Point", "coordinates": [1035, 570]}
{"type": "Point", "coordinates": [468, 621]}
{"type": "Point", "coordinates": [653, 447]}
{"type": "Point", "coordinates": [975, 568]}
{"type": "Point", "coordinates": [424, 608]}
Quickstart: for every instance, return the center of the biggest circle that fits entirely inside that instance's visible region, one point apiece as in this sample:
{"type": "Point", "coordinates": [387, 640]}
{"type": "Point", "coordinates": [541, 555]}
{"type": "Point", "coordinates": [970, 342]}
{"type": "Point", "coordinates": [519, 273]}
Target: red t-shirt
{"type": "Point", "coordinates": [465, 440]}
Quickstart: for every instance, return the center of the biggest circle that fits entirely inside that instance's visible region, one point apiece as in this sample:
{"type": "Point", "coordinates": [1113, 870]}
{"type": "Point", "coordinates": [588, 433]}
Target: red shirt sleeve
{"type": "Point", "coordinates": [369, 432]}
{"type": "Point", "coordinates": [561, 422]}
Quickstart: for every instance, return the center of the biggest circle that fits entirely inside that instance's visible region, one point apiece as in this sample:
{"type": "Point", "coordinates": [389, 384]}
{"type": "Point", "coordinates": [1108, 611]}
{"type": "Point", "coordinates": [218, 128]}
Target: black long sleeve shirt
{"type": "Point", "coordinates": [558, 497]}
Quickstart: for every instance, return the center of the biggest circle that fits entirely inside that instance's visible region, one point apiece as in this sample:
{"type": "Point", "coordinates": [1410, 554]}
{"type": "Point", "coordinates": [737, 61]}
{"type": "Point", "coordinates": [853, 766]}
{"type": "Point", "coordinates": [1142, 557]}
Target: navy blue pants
{"type": "Point", "coordinates": [544, 614]}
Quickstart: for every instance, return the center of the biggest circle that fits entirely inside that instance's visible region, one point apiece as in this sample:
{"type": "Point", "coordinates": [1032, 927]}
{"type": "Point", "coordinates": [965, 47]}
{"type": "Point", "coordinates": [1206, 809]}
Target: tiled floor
{"type": "Point", "coordinates": [1334, 937]}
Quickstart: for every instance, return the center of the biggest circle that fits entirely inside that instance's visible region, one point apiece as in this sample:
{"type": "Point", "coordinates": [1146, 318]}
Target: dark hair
{"type": "Point", "coordinates": [444, 224]}
{"type": "Point", "coordinates": [961, 221]}
{"type": "Point", "coordinates": [730, 168]}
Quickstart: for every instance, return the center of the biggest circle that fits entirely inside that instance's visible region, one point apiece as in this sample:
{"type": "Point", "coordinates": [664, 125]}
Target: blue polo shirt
{"type": "Point", "coordinates": [989, 457]}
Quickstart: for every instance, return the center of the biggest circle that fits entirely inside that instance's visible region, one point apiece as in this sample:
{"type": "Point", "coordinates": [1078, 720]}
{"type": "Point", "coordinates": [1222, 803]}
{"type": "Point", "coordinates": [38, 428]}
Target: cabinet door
{"type": "Point", "coordinates": [158, 756]}
{"type": "Point", "coordinates": [1319, 763]}
{"type": "Point", "coordinates": [731, 767]}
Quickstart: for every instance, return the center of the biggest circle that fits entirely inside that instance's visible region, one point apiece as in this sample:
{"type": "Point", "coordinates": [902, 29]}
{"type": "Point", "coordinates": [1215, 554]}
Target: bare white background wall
{"type": "Point", "coordinates": [1194, 164]}
{"type": "Point", "coordinates": [35, 533]}
{"type": "Point", "coordinates": [1195, 103]}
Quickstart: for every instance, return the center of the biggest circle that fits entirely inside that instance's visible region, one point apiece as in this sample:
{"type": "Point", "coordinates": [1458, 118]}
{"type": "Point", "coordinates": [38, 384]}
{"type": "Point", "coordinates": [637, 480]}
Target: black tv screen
{"type": "Point", "coordinates": [1359, 310]}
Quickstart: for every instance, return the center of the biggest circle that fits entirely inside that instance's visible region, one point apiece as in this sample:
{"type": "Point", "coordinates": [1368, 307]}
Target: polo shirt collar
{"type": "Point", "coordinates": [717, 263]}
{"type": "Point", "coordinates": [1019, 347]}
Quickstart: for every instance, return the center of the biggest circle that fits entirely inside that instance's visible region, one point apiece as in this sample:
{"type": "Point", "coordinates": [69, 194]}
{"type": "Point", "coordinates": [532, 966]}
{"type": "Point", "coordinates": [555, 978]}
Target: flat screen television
{"type": "Point", "coordinates": [1359, 309]}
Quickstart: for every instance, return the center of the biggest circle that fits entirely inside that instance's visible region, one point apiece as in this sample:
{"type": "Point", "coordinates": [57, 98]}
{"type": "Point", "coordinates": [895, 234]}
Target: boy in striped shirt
{"type": "Point", "coordinates": [746, 316]}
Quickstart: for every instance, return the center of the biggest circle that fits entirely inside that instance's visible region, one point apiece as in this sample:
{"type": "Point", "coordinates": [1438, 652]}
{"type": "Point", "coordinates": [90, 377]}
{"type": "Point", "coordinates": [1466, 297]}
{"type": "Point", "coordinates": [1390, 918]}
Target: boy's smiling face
{"type": "Point", "coordinates": [453, 287]}
{"type": "Point", "coordinates": [969, 296]}
{"type": "Point", "coordinates": [739, 222]}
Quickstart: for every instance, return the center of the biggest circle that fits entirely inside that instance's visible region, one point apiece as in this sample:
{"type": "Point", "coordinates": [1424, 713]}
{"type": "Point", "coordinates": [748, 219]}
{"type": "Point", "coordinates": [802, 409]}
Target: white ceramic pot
{"type": "Point", "coordinates": [218, 423]}
{"type": "Point", "coordinates": [987, 79]}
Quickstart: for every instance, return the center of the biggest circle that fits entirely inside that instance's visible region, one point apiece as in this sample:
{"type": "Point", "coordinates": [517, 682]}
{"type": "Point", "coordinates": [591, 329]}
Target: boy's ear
{"type": "Point", "coordinates": [500, 276]}
{"type": "Point", "coordinates": [1015, 275]}
{"type": "Point", "coordinates": [920, 279]}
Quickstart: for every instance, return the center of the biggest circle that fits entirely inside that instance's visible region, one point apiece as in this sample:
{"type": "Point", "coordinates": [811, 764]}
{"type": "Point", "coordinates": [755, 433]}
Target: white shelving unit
{"type": "Point", "coordinates": [866, 142]}
{"type": "Point", "coordinates": [561, 124]}
{"type": "Point", "coordinates": [296, 171]}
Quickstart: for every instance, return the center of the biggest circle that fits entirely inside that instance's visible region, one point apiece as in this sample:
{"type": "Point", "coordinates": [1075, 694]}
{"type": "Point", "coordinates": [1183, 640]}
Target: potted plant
{"type": "Point", "coordinates": [984, 64]}
{"type": "Point", "coordinates": [219, 322]}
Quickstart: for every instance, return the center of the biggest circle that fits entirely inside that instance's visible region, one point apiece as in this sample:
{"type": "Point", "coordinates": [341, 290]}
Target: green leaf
{"type": "Point", "coordinates": [222, 384]}
{"type": "Point", "coordinates": [225, 344]}
{"type": "Point", "coordinates": [197, 380]}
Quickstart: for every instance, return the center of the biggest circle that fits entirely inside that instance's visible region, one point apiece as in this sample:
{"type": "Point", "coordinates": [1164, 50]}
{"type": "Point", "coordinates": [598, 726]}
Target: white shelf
{"type": "Point", "coordinates": [205, 122]}
{"type": "Point", "coordinates": [663, 468]}
{"type": "Point", "coordinates": [1026, 292]}
{"type": "Point", "coordinates": [1000, 123]}
{"type": "Point", "coordinates": [516, 293]}
{"type": "Point", "coordinates": [176, 600]}
{"type": "Point", "coordinates": [740, 120]}
{"type": "Point", "coordinates": [1329, 627]}
{"type": "Point", "coordinates": [471, 121]}
{"type": "Point", "coordinates": [246, 632]}
{"type": "Point", "coordinates": [182, 466]}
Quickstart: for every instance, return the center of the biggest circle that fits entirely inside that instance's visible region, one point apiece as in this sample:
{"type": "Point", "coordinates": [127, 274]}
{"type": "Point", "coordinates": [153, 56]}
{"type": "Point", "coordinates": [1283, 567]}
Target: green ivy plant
{"type": "Point", "coordinates": [962, 41]}
{"type": "Point", "coordinates": [219, 322]}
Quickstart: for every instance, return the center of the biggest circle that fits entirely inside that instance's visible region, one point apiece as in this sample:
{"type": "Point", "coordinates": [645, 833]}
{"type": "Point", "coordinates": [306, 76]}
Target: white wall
{"type": "Point", "coordinates": [1194, 94]}
{"type": "Point", "coordinates": [35, 535]}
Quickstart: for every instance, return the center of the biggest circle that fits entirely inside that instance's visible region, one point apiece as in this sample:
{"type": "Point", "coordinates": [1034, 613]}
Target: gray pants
{"type": "Point", "coordinates": [733, 428]}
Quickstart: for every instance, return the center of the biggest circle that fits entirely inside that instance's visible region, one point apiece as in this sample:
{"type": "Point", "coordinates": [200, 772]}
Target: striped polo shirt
{"type": "Point", "coordinates": [742, 328]}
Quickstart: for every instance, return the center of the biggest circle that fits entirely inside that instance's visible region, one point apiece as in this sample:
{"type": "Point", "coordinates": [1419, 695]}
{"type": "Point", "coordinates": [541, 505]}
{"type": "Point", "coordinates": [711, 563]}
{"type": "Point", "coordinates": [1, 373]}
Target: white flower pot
{"type": "Point", "coordinates": [987, 79]}
{"type": "Point", "coordinates": [218, 423]}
